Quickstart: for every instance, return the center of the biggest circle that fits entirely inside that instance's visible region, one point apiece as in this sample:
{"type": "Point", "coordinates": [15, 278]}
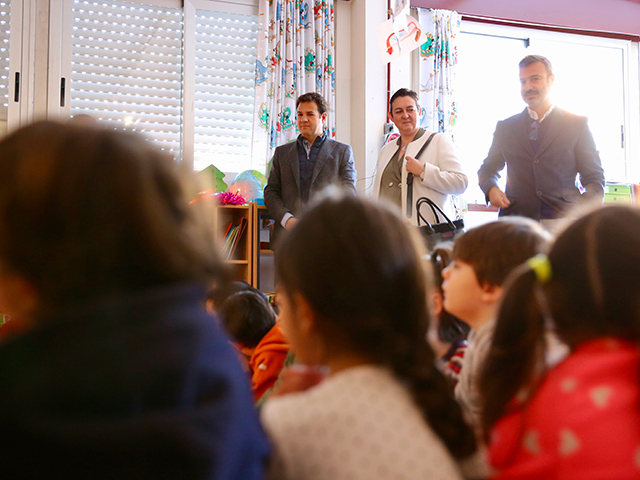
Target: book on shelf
{"type": "Point", "coordinates": [232, 237]}
{"type": "Point", "coordinates": [228, 228]}
{"type": "Point", "coordinates": [241, 229]}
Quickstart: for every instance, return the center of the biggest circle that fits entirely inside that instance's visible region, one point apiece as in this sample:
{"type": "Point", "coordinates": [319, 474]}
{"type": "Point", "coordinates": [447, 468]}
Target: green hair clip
{"type": "Point", "coordinates": [541, 267]}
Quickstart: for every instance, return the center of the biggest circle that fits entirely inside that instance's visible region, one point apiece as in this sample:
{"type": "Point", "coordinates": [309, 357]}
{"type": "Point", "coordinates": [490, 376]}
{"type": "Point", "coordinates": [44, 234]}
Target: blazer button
{"type": "Point", "coordinates": [536, 161]}
{"type": "Point", "coordinates": [391, 184]}
{"type": "Point", "coordinates": [539, 193]}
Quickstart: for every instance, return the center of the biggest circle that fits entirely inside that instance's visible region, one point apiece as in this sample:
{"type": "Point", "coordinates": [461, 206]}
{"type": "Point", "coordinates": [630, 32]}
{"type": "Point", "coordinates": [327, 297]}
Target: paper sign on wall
{"type": "Point", "coordinates": [398, 6]}
{"type": "Point", "coordinates": [399, 37]}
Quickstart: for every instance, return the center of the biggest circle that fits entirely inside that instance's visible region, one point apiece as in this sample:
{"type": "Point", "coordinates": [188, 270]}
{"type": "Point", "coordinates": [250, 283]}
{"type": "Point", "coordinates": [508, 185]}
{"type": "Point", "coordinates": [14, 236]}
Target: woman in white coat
{"type": "Point", "coordinates": [437, 173]}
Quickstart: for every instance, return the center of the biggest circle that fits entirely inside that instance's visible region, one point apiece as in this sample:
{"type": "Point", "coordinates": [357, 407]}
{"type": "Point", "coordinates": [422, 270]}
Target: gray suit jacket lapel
{"type": "Point", "coordinates": [323, 155]}
{"type": "Point", "coordinates": [294, 162]}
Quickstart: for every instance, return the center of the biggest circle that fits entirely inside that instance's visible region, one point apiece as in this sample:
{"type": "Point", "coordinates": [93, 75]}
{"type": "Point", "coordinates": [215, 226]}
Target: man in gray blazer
{"type": "Point", "coordinates": [302, 168]}
{"type": "Point", "coordinates": [544, 147]}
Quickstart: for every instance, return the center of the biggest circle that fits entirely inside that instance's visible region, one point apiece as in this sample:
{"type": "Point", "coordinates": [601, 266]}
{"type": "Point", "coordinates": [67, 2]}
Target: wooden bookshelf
{"type": "Point", "coordinates": [253, 259]}
{"type": "Point", "coordinates": [239, 253]}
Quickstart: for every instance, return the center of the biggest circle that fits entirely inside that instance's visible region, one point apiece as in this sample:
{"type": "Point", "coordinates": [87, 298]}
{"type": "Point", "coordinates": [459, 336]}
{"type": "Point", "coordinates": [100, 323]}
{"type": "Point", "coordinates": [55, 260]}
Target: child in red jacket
{"type": "Point", "coordinates": [251, 323]}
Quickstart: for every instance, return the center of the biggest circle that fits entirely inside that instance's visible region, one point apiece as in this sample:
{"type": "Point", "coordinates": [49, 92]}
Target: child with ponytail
{"type": "Point", "coordinates": [581, 418]}
{"type": "Point", "coordinates": [353, 296]}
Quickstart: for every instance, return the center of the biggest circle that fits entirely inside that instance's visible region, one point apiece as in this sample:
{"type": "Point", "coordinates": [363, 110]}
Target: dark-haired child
{"type": "Point", "coordinates": [251, 323]}
{"type": "Point", "coordinates": [483, 257]}
{"type": "Point", "coordinates": [447, 333]}
{"type": "Point", "coordinates": [357, 304]}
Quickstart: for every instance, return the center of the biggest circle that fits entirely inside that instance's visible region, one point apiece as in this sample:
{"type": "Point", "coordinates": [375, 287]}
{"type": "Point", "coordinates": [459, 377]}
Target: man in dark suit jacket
{"type": "Point", "coordinates": [302, 168]}
{"type": "Point", "coordinates": [544, 147]}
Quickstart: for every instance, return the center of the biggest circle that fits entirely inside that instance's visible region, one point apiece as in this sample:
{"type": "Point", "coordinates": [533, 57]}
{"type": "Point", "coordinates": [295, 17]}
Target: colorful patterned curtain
{"type": "Point", "coordinates": [438, 59]}
{"type": "Point", "coordinates": [295, 55]}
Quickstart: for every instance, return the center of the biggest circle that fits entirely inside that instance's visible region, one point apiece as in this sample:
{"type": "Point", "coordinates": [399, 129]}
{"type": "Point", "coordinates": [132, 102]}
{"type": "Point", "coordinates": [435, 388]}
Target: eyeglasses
{"type": "Point", "coordinates": [533, 134]}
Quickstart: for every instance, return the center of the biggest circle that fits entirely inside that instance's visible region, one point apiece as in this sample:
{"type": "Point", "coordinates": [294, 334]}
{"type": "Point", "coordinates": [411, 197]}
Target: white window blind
{"type": "Point", "coordinates": [5, 22]}
{"type": "Point", "coordinates": [224, 89]}
{"type": "Point", "coordinates": [127, 68]}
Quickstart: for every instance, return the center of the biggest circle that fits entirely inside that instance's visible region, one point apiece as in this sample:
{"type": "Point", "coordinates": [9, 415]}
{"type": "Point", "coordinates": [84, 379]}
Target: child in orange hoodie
{"type": "Point", "coordinates": [251, 323]}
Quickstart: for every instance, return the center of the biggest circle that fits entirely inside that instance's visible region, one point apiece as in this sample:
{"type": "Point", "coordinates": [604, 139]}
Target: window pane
{"type": "Point", "coordinates": [224, 89]}
{"type": "Point", "coordinates": [488, 90]}
{"type": "Point", "coordinates": [599, 97]}
{"type": "Point", "coordinates": [127, 68]}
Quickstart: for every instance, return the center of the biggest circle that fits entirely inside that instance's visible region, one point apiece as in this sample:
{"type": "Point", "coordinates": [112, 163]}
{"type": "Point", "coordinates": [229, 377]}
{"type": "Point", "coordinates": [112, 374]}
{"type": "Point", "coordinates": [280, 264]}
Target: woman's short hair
{"type": "Point", "coordinates": [403, 92]}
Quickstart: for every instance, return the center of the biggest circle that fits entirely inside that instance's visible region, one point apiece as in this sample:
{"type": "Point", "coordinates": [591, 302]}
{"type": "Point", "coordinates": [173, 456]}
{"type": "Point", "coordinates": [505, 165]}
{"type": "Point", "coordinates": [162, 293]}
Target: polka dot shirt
{"type": "Point", "coordinates": [359, 424]}
{"type": "Point", "coordinates": [582, 423]}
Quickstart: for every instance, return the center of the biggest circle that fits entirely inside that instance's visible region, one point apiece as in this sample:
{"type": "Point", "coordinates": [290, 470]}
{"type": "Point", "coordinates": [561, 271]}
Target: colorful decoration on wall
{"type": "Point", "coordinates": [398, 36]}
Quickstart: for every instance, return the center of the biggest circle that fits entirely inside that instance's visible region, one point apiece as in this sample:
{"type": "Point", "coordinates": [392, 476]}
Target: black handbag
{"type": "Point", "coordinates": [434, 233]}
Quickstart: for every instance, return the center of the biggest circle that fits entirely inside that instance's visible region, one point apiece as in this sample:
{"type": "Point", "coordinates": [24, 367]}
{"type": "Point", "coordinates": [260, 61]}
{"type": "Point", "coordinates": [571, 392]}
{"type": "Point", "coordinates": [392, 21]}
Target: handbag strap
{"type": "Point", "coordinates": [410, 176]}
{"type": "Point", "coordinates": [435, 208]}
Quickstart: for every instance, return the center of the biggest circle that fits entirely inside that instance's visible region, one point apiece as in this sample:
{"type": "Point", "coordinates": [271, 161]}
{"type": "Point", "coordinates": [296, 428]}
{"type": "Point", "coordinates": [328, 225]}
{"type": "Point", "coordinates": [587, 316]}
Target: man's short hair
{"type": "Point", "coordinates": [495, 249]}
{"type": "Point", "coordinates": [403, 92]}
{"type": "Point", "coordinates": [247, 317]}
{"type": "Point", "coordinates": [313, 97]}
{"type": "Point", "coordinates": [529, 59]}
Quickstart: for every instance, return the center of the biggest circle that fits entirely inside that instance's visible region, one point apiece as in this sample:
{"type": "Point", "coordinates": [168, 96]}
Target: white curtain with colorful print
{"type": "Point", "coordinates": [438, 60]}
{"type": "Point", "coordinates": [295, 55]}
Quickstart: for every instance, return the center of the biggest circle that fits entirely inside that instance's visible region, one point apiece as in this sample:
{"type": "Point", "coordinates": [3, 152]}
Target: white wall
{"type": "Point", "coordinates": [361, 83]}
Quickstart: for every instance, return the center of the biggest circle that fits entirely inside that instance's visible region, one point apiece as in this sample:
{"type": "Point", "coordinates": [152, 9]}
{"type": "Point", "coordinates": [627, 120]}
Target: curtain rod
{"type": "Point", "coordinates": [547, 27]}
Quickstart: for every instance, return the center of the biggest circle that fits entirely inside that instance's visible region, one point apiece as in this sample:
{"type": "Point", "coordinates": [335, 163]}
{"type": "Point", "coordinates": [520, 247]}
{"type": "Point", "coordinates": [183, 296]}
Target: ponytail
{"type": "Point", "coordinates": [517, 349]}
{"type": "Point", "coordinates": [432, 394]}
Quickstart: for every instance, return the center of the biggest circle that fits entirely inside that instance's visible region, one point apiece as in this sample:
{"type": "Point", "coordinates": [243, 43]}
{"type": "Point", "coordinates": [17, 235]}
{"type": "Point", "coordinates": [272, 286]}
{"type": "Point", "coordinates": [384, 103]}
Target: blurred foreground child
{"type": "Point", "coordinates": [122, 374]}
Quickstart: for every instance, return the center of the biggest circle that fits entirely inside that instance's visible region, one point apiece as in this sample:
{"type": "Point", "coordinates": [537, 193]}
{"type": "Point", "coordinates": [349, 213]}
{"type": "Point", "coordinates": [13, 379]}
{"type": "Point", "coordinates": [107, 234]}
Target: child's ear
{"type": "Point", "coordinates": [491, 293]}
{"type": "Point", "coordinates": [305, 314]}
{"type": "Point", "coordinates": [436, 303]}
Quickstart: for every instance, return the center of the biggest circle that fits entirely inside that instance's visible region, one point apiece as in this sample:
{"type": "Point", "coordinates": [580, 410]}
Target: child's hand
{"type": "Point", "coordinates": [298, 378]}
